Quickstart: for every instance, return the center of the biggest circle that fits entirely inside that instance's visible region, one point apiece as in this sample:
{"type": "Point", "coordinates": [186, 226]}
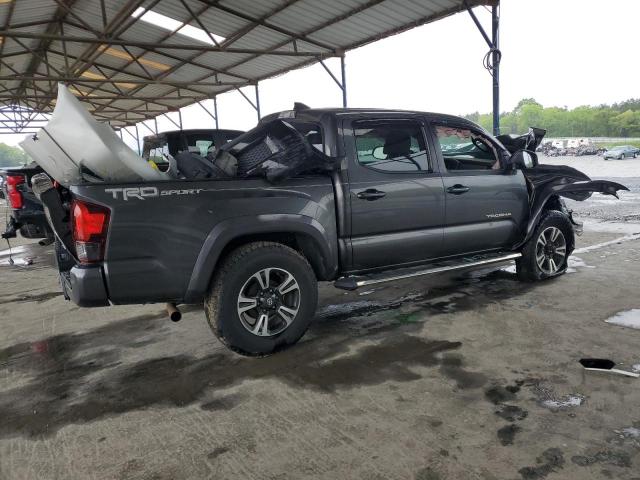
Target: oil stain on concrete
{"type": "Point", "coordinates": [507, 434]}
{"type": "Point", "coordinates": [619, 458]}
{"type": "Point", "coordinates": [550, 461]}
{"type": "Point", "coordinates": [79, 378]}
{"type": "Point", "coordinates": [59, 391]}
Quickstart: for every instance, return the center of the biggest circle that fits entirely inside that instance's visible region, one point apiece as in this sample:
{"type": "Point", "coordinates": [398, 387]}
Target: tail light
{"type": "Point", "coordinates": [90, 226]}
{"type": "Point", "coordinates": [15, 196]}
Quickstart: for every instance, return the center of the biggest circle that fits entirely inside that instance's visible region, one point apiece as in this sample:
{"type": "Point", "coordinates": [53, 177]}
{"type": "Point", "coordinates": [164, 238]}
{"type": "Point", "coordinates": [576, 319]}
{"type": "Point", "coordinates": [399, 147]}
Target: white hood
{"type": "Point", "coordinates": [74, 148]}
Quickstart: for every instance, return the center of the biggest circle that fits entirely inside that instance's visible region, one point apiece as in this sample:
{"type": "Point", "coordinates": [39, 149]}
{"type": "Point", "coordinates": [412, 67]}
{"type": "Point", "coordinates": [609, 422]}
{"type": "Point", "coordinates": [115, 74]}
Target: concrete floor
{"type": "Point", "coordinates": [464, 376]}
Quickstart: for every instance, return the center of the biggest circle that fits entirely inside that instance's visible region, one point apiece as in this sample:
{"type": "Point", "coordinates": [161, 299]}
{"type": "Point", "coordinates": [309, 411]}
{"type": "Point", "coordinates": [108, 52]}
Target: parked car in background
{"type": "Point", "coordinates": [621, 152]}
{"type": "Point", "coordinates": [27, 214]}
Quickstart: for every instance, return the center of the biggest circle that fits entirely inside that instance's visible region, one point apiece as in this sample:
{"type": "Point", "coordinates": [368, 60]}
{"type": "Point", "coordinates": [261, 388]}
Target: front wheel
{"type": "Point", "coordinates": [546, 254]}
{"type": "Point", "coordinates": [262, 299]}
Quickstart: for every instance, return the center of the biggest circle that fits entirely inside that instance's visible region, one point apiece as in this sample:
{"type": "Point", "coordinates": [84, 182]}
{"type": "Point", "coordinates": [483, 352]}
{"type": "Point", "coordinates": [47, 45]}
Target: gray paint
{"type": "Point", "coordinates": [155, 244]}
{"type": "Point", "coordinates": [165, 247]}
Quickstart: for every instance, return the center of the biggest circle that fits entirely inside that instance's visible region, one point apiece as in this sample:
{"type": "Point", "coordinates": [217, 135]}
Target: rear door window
{"type": "Point", "coordinates": [391, 146]}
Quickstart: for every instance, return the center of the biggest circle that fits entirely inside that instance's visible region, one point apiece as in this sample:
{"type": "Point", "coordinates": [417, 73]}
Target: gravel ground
{"type": "Point", "coordinates": [606, 207]}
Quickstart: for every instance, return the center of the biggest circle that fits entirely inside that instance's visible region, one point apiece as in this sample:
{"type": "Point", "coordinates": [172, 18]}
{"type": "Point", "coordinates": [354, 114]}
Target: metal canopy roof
{"type": "Point", "coordinates": [132, 60]}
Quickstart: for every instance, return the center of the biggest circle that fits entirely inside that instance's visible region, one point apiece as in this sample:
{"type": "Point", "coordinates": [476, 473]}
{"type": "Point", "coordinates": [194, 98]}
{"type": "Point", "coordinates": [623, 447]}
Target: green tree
{"type": "Point", "coordinates": [620, 119]}
{"type": "Point", "coordinates": [627, 122]}
{"type": "Point", "coordinates": [12, 156]}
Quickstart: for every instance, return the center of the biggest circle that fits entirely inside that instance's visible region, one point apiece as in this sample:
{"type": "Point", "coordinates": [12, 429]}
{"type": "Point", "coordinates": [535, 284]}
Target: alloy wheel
{"type": "Point", "coordinates": [268, 302]}
{"type": "Point", "coordinates": [551, 250]}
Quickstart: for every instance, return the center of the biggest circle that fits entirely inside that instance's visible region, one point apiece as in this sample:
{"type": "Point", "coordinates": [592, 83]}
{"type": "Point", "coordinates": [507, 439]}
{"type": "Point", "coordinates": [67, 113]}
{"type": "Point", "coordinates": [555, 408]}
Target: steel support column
{"type": "Point", "coordinates": [495, 53]}
{"type": "Point", "coordinates": [138, 140]}
{"type": "Point", "coordinates": [258, 101]}
{"type": "Point", "coordinates": [256, 105]}
{"type": "Point", "coordinates": [215, 110]}
{"type": "Point", "coordinates": [342, 85]}
{"type": "Point", "coordinates": [492, 58]}
{"type": "Point", "coordinates": [214, 115]}
{"type": "Point", "coordinates": [344, 81]}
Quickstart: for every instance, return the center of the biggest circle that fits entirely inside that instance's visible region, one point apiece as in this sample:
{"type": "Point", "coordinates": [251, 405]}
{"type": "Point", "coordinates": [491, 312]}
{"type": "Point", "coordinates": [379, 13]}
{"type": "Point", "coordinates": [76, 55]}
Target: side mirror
{"type": "Point", "coordinates": [523, 159]}
{"type": "Point", "coordinates": [378, 153]}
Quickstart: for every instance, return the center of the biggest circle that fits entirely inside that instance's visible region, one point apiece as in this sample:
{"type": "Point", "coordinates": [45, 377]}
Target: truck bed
{"type": "Point", "coordinates": [165, 237]}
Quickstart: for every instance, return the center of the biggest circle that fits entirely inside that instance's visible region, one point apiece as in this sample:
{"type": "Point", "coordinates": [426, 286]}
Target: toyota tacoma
{"type": "Point", "coordinates": [352, 196]}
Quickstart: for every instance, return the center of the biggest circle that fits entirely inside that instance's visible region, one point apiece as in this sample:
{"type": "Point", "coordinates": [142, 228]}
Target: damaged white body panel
{"type": "Point", "coordinates": [75, 148]}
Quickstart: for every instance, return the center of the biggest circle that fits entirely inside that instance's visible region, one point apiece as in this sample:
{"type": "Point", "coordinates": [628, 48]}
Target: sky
{"type": "Point", "coordinates": [560, 52]}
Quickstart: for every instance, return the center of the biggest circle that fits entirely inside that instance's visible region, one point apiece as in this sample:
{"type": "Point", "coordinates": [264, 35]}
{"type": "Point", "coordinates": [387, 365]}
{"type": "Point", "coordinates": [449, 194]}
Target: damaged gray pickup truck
{"type": "Point", "coordinates": [352, 196]}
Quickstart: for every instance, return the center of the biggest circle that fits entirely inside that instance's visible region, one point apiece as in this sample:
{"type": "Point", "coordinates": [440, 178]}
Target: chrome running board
{"type": "Point", "coordinates": [354, 282]}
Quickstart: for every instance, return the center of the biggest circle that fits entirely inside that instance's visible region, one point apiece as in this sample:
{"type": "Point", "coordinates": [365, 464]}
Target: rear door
{"type": "Point", "coordinates": [395, 192]}
{"type": "Point", "coordinates": [486, 204]}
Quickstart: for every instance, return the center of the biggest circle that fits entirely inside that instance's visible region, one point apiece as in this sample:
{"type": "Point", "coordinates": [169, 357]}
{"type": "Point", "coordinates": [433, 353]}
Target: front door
{"type": "Point", "coordinates": [485, 203]}
{"type": "Point", "coordinates": [396, 193]}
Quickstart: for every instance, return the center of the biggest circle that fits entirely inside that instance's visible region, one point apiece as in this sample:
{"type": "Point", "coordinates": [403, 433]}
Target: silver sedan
{"type": "Point", "coordinates": [620, 153]}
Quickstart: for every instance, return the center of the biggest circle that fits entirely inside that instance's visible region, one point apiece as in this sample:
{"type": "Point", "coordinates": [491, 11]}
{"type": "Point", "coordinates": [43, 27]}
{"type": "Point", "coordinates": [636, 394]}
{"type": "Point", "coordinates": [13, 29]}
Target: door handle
{"type": "Point", "coordinates": [370, 194]}
{"type": "Point", "coordinates": [458, 189]}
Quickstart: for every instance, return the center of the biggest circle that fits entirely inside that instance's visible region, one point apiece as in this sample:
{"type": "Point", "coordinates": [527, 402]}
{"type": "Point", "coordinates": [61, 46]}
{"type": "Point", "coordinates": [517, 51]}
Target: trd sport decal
{"type": "Point", "coordinates": [141, 193]}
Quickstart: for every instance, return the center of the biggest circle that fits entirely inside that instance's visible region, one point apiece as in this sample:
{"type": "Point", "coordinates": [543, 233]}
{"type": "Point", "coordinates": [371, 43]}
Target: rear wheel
{"type": "Point", "coordinates": [546, 254]}
{"type": "Point", "coordinates": [263, 298]}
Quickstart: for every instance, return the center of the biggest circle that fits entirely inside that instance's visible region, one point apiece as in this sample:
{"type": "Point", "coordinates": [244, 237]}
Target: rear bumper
{"type": "Point", "coordinates": [85, 286]}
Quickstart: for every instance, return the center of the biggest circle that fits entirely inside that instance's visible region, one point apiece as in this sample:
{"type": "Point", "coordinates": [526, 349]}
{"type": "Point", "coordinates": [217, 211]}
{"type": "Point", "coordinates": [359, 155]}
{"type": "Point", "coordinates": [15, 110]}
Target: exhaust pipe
{"type": "Point", "coordinates": [173, 312]}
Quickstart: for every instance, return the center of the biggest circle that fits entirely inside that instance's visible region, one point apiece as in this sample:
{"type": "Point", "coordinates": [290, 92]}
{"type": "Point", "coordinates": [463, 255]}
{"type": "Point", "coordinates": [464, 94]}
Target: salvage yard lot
{"type": "Point", "coordinates": [459, 376]}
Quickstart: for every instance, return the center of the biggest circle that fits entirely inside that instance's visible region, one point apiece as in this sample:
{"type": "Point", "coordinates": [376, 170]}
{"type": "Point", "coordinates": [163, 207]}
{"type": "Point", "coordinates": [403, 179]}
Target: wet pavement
{"type": "Point", "coordinates": [471, 375]}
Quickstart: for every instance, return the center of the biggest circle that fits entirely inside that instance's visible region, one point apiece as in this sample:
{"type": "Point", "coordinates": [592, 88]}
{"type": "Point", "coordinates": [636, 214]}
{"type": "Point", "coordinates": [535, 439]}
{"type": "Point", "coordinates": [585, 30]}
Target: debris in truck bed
{"type": "Point", "coordinates": [74, 148]}
{"type": "Point", "coordinates": [277, 150]}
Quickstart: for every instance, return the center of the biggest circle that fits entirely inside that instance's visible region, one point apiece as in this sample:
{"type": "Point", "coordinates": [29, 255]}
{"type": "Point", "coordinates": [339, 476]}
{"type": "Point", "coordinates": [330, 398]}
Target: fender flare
{"type": "Point", "coordinates": [228, 230]}
{"type": "Point", "coordinates": [576, 191]}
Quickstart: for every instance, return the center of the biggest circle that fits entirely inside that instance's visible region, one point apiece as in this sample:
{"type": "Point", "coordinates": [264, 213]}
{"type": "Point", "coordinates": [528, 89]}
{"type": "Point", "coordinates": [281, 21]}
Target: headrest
{"type": "Point", "coordinates": [315, 138]}
{"type": "Point", "coordinates": [397, 145]}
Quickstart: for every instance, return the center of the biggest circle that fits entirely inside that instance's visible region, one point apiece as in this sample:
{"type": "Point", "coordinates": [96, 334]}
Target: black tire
{"type": "Point", "coordinates": [527, 266]}
{"type": "Point", "coordinates": [232, 277]}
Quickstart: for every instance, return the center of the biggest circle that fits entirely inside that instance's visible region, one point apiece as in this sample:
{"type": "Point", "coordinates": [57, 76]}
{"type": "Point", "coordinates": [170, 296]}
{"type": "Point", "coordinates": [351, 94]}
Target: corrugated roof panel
{"type": "Point", "coordinates": [308, 14]}
{"type": "Point", "coordinates": [221, 23]}
{"type": "Point", "coordinates": [256, 8]}
{"type": "Point", "coordinates": [261, 38]}
{"type": "Point", "coordinates": [33, 11]}
{"type": "Point", "coordinates": [266, 65]}
{"type": "Point", "coordinates": [259, 25]}
{"type": "Point", "coordinates": [221, 60]}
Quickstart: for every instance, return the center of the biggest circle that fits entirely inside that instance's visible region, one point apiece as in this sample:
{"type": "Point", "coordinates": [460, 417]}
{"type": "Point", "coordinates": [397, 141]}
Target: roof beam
{"type": "Point", "coordinates": [50, 37]}
{"type": "Point", "coordinates": [137, 81]}
{"type": "Point", "coordinates": [262, 21]}
{"type": "Point", "coordinates": [44, 44]}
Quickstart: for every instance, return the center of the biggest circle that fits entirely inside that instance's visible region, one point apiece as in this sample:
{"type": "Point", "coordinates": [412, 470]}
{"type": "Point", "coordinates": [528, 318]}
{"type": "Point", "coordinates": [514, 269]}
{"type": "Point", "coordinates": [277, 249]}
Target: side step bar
{"type": "Point", "coordinates": [355, 282]}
